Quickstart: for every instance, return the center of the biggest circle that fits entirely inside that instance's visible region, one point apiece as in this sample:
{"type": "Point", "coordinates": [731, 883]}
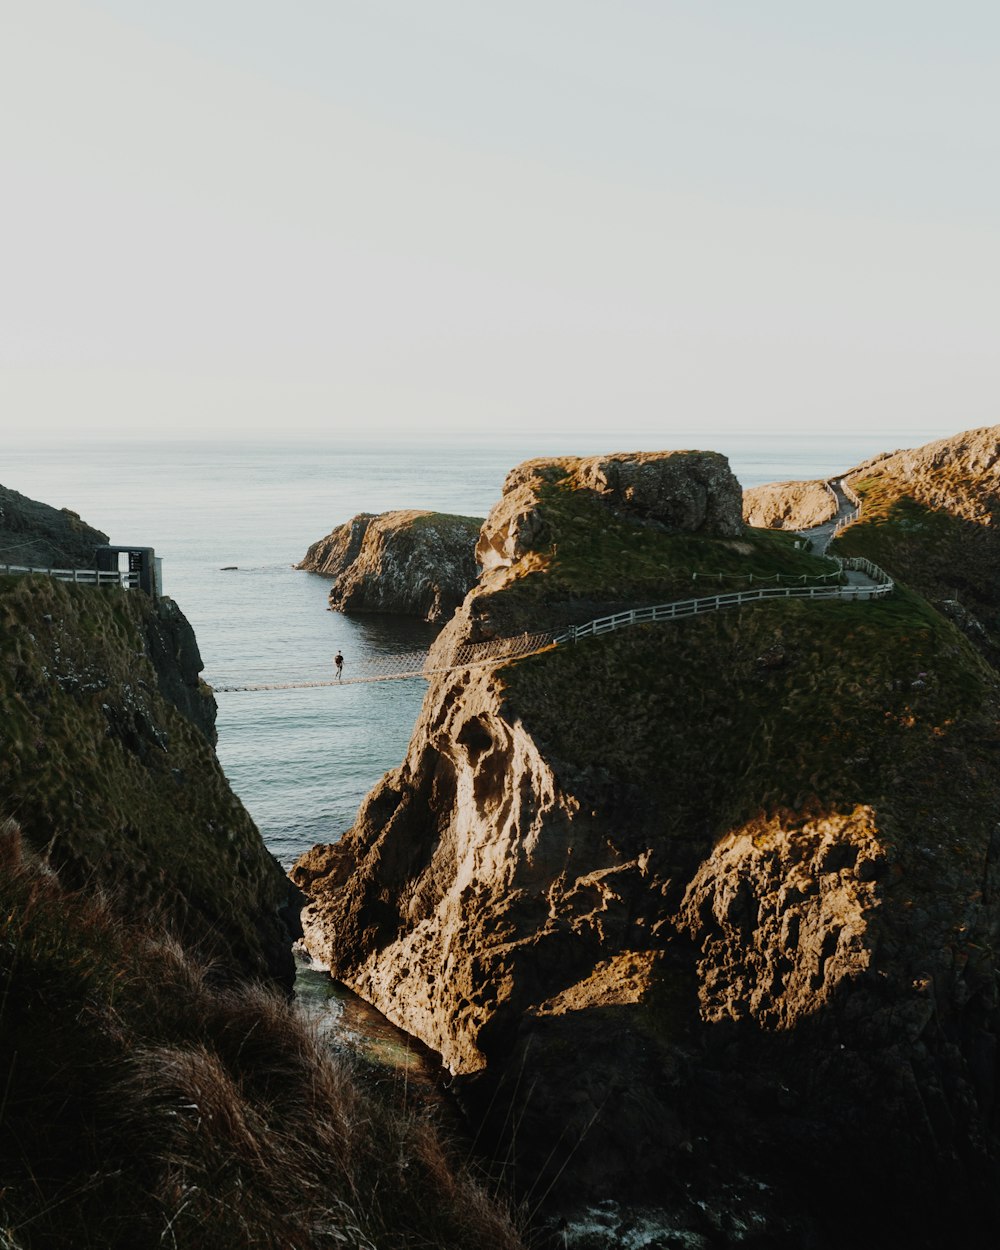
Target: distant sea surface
{"type": "Point", "coordinates": [302, 760]}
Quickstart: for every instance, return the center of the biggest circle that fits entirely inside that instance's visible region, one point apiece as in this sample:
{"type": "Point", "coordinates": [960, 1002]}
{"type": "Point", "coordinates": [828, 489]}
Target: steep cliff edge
{"type": "Point", "coordinates": [37, 535]}
{"type": "Point", "coordinates": [409, 563]}
{"type": "Point", "coordinates": [702, 915]}
{"type": "Point", "coordinates": [158, 1086]}
{"type": "Point", "coordinates": [106, 772]}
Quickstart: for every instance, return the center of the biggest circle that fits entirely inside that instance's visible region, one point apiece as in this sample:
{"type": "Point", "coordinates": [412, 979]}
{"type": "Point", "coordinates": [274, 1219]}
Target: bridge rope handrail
{"type": "Point", "coordinates": [498, 650]}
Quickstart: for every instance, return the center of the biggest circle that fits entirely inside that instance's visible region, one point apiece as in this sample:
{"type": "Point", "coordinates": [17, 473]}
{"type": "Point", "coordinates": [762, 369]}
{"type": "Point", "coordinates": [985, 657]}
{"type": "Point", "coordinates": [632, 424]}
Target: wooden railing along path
{"type": "Point", "coordinates": [84, 577]}
{"type": "Point", "coordinates": [876, 585]}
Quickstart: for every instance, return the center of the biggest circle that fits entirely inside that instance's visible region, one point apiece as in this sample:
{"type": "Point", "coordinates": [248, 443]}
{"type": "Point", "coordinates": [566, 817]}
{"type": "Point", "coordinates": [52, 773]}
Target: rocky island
{"type": "Point", "coordinates": [703, 916]}
{"type": "Point", "coordinates": [407, 563]}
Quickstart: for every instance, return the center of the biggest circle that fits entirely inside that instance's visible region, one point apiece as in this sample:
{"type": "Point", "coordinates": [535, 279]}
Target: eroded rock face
{"type": "Point", "coordinates": [707, 912]}
{"type": "Point", "coordinates": [788, 505]}
{"type": "Point", "coordinates": [408, 563]}
{"type": "Point", "coordinates": [690, 491]}
{"type": "Point", "coordinates": [36, 535]}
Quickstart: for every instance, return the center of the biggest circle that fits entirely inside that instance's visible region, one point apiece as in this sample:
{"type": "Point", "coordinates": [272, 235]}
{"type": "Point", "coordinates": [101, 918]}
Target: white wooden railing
{"type": "Point", "coordinates": [85, 577]}
{"type": "Point", "coordinates": [497, 650]}
{"type": "Point", "coordinates": [882, 584]}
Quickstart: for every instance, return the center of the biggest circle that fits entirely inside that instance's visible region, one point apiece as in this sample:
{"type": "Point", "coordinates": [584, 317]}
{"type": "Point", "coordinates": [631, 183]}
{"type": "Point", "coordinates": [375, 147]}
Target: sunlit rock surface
{"type": "Point", "coordinates": [788, 505]}
{"type": "Point", "coordinates": [701, 915]}
{"type": "Point", "coordinates": [409, 563]}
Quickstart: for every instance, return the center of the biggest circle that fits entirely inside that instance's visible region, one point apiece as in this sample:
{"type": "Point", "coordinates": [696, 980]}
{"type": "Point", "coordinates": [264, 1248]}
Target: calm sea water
{"type": "Point", "coordinates": [302, 760]}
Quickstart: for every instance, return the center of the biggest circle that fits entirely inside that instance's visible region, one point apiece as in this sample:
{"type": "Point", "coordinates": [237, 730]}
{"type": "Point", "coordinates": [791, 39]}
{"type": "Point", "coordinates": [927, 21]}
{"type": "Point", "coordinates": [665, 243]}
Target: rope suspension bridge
{"type": "Point", "coordinates": [408, 664]}
{"type": "Point", "coordinates": [862, 581]}
{"type": "Point", "coordinates": [853, 579]}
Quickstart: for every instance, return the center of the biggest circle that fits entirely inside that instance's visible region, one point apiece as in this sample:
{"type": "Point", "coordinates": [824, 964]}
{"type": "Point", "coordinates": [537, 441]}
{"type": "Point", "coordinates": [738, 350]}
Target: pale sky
{"type": "Point", "coordinates": [455, 217]}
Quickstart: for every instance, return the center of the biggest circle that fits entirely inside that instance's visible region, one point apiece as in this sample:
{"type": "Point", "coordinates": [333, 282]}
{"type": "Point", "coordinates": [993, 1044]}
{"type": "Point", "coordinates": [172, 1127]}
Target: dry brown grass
{"type": "Point", "coordinates": [143, 1107]}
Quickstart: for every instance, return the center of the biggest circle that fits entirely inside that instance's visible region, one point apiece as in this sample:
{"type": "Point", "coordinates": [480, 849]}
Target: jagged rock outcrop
{"type": "Point", "coordinates": [788, 505]}
{"type": "Point", "coordinates": [690, 491]}
{"type": "Point", "coordinates": [36, 535]}
{"type": "Point", "coordinates": [701, 916]}
{"type": "Point", "coordinates": [408, 563]}
{"type": "Point", "coordinates": [106, 760]}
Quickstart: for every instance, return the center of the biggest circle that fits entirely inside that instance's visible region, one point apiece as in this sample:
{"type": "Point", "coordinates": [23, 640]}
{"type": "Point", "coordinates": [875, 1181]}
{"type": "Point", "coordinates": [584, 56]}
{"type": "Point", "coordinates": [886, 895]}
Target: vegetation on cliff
{"type": "Point", "coordinates": [573, 555]}
{"type": "Point", "coordinates": [143, 1105]}
{"type": "Point", "coordinates": [933, 516]}
{"type": "Point", "coordinates": [158, 1088]}
{"type": "Point", "coordinates": [119, 787]}
{"type": "Point", "coordinates": [37, 535]}
{"type": "Point", "coordinates": [930, 514]}
{"type": "Point", "coordinates": [709, 911]}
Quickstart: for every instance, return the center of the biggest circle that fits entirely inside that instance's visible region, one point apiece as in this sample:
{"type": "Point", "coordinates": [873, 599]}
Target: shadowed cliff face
{"type": "Point", "coordinates": [702, 915]}
{"type": "Point", "coordinates": [106, 761]}
{"type": "Point", "coordinates": [36, 535]}
{"type": "Point", "coordinates": [408, 563]}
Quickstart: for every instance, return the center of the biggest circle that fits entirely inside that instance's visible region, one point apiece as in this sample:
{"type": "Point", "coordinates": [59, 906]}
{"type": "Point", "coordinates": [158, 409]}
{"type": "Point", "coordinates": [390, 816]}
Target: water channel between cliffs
{"type": "Point", "coordinates": [362, 1036]}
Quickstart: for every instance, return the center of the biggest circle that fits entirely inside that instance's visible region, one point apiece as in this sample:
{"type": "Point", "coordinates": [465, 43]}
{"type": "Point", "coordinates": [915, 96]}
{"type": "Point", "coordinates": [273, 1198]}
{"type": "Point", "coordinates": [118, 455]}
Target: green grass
{"type": "Point", "coordinates": [597, 553]}
{"type": "Point", "coordinates": [471, 523]}
{"type": "Point", "coordinates": [742, 714]}
{"type": "Point", "coordinates": [941, 554]}
{"type": "Point", "coordinates": [119, 786]}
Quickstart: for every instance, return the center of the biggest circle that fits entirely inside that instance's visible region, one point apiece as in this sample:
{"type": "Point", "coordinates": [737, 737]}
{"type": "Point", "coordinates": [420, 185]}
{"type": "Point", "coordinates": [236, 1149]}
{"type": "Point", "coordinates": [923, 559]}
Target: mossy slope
{"type": "Point", "coordinates": [707, 911]}
{"type": "Point", "coordinates": [119, 787]}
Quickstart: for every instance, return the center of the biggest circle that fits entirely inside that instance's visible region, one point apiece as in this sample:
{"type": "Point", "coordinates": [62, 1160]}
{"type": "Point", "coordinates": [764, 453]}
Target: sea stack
{"type": "Point", "coordinates": [406, 563]}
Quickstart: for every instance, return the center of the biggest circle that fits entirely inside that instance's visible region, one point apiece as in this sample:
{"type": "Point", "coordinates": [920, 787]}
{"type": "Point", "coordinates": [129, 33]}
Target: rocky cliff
{"type": "Point", "coordinates": [932, 514]}
{"type": "Point", "coordinates": [106, 760]}
{"type": "Point", "coordinates": [156, 1091]}
{"type": "Point", "coordinates": [788, 505]}
{"type": "Point", "coordinates": [37, 535]}
{"type": "Point", "coordinates": [408, 563]}
{"type": "Point", "coordinates": [703, 915]}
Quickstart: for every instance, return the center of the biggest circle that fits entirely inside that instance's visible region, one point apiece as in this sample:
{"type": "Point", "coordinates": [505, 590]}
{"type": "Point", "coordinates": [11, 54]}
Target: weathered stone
{"type": "Point", "coordinates": [37, 535]}
{"type": "Point", "coordinates": [682, 906]}
{"type": "Point", "coordinates": [788, 505]}
{"type": "Point", "coordinates": [408, 563]}
{"type": "Point", "coordinates": [688, 491]}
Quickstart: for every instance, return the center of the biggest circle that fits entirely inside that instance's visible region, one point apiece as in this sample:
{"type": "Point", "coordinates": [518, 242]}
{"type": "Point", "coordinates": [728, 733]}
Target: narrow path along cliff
{"type": "Point", "coordinates": [700, 919]}
{"type": "Point", "coordinates": [859, 580]}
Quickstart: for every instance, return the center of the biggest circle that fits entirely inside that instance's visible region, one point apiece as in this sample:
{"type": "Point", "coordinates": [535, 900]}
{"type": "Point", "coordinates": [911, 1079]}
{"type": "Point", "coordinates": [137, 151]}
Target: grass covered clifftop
{"type": "Point", "coordinates": [703, 914]}
{"type": "Point", "coordinates": [794, 702]}
{"type": "Point", "coordinates": [945, 546]}
{"type": "Point", "coordinates": [557, 550]}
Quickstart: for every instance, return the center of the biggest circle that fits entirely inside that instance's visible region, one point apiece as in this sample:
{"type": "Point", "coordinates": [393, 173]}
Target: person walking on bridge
{"type": "Point", "coordinates": [338, 663]}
